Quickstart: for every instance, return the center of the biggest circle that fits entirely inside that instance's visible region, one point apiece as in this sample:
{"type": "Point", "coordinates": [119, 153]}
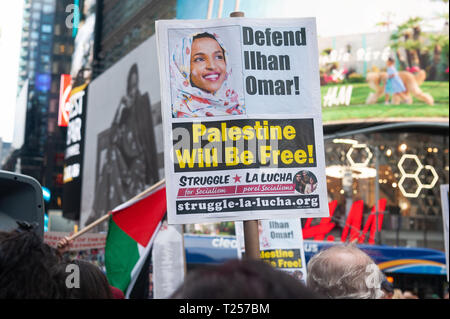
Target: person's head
{"type": "Point", "coordinates": [298, 177]}
{"type": "Point", "coordinates": [82, 280]}
{"type": "Point", "coordinates": [208, 63]}
{"type": "Point", "coordinates": [25, 266]}
{"type": "Point", "coordinates": [305, 176]}
{"type": "Point", "coordinates": [388, 288]}
{"type": "Point", "coordinates": [242, 279]}
{"type": "Point", "coordinates": [390, 61]}
{"type": "Point", "coordinates": [344, 272]}
{"type": "Point", "coordinates": [133, 82]}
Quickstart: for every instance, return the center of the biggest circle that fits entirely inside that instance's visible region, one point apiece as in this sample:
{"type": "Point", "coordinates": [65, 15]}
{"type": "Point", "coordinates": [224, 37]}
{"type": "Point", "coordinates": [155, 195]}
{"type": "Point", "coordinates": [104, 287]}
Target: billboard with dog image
{"type": "Point", "coordinates": [356, 81]}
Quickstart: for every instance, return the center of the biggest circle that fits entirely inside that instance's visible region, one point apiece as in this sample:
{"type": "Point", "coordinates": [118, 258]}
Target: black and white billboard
{"type": "Point", "coordinates": [124, 144]}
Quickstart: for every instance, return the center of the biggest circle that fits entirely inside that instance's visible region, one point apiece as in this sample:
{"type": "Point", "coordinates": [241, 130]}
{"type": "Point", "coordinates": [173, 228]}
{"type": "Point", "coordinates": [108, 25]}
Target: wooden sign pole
{"type": "Point", "coordinates": [251, 239]}
{"type": "Point", "coordinates": [251, 232]}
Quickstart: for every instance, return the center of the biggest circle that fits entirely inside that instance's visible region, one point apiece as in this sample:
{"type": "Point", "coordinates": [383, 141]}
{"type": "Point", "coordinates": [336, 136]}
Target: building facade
{"type": "Point", "coordinates": [400, 165]}
{"type": "Point", "coordinates": [123, 25]}
{"type": "Point", "coordinates": [47, 46]}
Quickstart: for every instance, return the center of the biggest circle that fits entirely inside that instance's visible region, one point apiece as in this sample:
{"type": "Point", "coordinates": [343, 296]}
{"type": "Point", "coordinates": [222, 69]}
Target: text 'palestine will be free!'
{"type": "Point", "coordinates": [249, 143]}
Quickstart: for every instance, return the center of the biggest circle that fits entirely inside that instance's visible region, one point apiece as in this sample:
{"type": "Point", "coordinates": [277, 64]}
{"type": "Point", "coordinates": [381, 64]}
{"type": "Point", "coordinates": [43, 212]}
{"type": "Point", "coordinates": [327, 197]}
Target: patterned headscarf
{"type": "Point", "coordinates": [190, 101]}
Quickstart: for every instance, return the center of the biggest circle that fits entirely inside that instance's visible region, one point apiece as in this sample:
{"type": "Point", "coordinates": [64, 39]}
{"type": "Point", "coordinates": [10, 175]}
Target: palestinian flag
{"type": "Point", "coordinates": [132, 228]}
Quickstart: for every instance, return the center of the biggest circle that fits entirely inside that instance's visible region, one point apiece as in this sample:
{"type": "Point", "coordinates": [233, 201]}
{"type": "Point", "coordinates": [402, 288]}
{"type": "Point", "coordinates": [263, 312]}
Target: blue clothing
{"type": "Point", "coordinates": [394, 84]}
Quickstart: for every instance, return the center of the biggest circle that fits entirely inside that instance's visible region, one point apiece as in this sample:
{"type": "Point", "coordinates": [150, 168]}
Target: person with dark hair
{"type": "Point", "coordinates": [208, 63]}
{"type": "Point", "coordinates": [200, 74]}
{"type": "Point", "coordinates": [130, 164]}
{"type": "Point", "coordinates": [299, 183]}
{"type": "Point", "coordinates": [388, 288]}
{"type": "Point", "coordinates": [25, 266]}
{"type": "Point", "coordinates": [80, 279]}
{"type": "Point", "coordinates": [242, 279]}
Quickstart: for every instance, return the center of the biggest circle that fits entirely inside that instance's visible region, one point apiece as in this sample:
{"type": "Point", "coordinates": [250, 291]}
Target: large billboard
{"type": "Point", "coordinates": [73, 157]}
{"type": "Point", "coordinates": [123, 146]}
{"type": "Point", "coordinates": [364, 78]}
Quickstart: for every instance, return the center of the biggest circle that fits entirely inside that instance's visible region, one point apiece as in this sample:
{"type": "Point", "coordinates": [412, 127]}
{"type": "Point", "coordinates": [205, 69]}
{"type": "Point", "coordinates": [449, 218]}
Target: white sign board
{"type": "Point", "coordinates": [168, 261]}
{"type": "Point", "coordinates": [242, 121]}
{"type": "Point", "coordinates": [281, 245]}
{"type": "Point", "coordinates": [85, 242]}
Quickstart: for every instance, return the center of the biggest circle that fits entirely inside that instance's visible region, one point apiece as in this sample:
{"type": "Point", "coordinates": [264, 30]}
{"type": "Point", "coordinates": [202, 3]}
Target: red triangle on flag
{"type": "Point", "coordinates": [140, 220]}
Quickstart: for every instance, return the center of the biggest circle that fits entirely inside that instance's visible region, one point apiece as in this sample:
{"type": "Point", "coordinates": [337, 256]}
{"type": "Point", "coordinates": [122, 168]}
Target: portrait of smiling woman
{"type": "Point", "coordinates": [208, 65]}
{"type": "Point", "coordinates": [200, 78]}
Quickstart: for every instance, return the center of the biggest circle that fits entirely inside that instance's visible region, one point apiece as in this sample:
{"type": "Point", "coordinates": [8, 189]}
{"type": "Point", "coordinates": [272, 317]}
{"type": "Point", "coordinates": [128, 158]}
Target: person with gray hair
{"type": "Point", "coordinates": [344, 272]}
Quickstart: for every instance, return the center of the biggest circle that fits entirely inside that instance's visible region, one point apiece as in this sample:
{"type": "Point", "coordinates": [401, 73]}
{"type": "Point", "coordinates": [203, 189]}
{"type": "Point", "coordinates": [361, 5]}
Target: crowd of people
{"type": "Point", "coordinates": [30, 269]}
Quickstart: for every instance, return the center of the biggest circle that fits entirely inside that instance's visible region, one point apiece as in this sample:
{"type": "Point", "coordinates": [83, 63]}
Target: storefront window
{"type": "Point", "coordinates": [411, 168]}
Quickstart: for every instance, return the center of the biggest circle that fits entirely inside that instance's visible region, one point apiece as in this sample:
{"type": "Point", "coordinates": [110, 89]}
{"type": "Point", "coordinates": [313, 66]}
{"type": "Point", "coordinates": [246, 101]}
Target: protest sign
{"type": "Point", "coordinates": [85, 242]}
{"type": "Point", "coordinates": [242, 121]}
{"type": "Point", "coordinates": [281, 245]}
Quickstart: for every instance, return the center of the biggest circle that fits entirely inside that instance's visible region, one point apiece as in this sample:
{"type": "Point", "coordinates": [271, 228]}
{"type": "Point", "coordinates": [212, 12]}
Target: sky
{"type": "Point", "coordinates": [334, 17]}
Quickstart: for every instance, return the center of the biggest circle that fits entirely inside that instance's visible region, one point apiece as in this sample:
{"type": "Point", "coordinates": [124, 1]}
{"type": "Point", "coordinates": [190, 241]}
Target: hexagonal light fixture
{"type": "Point", "coordinates": [360, 146]}
{"type": "Point", "coordinates": [410, 156]}
{"type": "Point", "coordinates": [404, 192]}
{"type": "Point", "coordinates": [435, 177]}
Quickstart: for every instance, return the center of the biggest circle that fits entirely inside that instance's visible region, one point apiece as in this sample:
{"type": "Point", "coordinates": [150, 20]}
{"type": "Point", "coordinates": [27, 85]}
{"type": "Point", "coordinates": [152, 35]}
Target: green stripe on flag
{"type": "Point", "coordinates": [121, 255]}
